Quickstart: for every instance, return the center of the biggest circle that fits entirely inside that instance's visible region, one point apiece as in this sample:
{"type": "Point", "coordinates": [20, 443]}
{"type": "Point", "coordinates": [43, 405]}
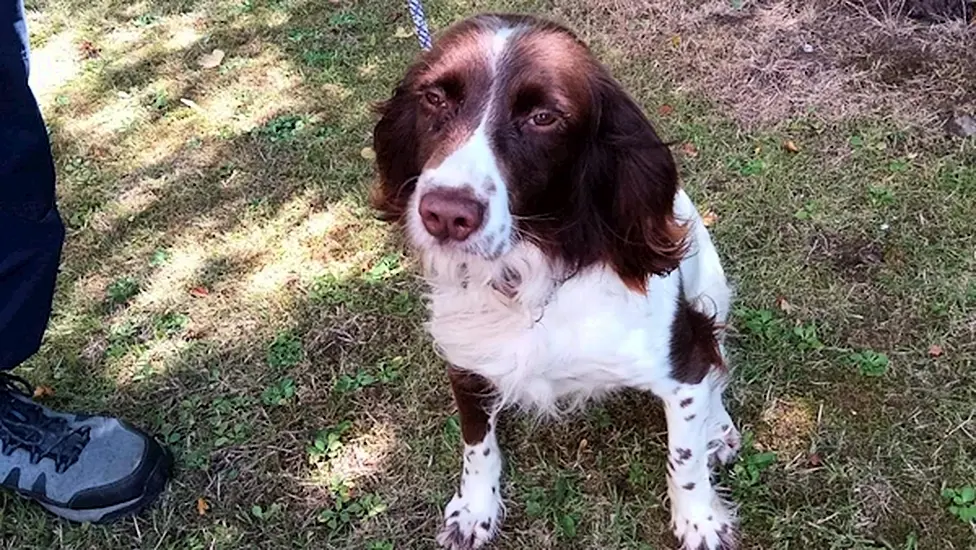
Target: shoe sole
{"type": "Point", "coordinates": [155, 483]}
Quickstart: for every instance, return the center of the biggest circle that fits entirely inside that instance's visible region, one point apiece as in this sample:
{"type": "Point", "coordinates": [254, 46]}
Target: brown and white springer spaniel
{"type": "Point", "coordinates": [562, 257]}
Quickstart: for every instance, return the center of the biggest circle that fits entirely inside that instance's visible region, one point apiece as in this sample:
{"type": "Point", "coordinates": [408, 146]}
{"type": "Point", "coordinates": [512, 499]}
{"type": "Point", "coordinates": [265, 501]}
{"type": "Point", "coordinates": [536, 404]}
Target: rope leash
{"type": "Point", "coordinates": [416, 9]}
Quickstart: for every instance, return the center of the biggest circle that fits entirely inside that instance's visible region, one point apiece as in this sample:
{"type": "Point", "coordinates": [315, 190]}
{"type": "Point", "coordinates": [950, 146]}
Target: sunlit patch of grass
{"type": "Point", "coordinates": [54, 63]}
{"type": "Point", "coordinates": [343, 458]}
{"type": "Point", "coordinates": [184, 32]}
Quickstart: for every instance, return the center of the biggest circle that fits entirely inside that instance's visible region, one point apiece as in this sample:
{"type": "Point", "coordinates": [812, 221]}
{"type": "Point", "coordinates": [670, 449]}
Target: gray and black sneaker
{"type": "Point", "coordinates": [83, 468]}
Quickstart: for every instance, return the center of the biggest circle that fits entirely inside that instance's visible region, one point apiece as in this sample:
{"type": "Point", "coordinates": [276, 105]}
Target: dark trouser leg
{"type": "Point", "coordinates": [31, 232]}
{"type": "Point", "coordinates": [82, 468]}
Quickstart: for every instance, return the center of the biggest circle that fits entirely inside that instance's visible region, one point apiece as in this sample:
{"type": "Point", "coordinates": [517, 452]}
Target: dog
{"type": "Point", "coordinates": [562, 257]}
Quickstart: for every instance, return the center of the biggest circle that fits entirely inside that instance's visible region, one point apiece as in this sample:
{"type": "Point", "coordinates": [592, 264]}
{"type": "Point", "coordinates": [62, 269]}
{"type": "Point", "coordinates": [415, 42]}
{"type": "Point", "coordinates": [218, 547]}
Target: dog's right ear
{"type": "Point", "coordinates": [397, 156]}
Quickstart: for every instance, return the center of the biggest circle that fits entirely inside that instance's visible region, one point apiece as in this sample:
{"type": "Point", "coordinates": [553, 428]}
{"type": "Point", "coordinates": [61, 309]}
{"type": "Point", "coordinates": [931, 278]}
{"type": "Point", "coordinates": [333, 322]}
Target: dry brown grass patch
{"type": "Point", "coordinates": [769, 60]}
{"type": "Point", "coordinates": [786, 427]}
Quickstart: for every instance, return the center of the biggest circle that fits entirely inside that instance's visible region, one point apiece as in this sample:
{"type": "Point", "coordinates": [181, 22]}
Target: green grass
{"type": "Point", "coordinates": [225, 286]}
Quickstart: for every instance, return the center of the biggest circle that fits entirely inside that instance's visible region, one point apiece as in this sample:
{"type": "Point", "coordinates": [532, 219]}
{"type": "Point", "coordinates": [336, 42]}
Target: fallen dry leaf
{"type": "Point", "coordinates": [211, 60]}
{"type": "Point", "coordinates": [368, 153]}
{"type": "Point", "coordinates": [199, 292]}
{"type": "Point", "coordinates": [709, 218]}
{"type": "Point", "coordinates": [935, 350]}
{"type": "Point", "coordinates": [195, 330]}
{"type": "Point", "coordinates": [202, 506]}
{"type": "Point", "coordinates": [783, 305]}
{"type": "Point", "coordinates": [676, 41]}
{"type": "Point", "coordinates": [791, 146]}
{"type": "Point", "coordinates": [665, 110]}
{"type": "Point", "coordinates": [815, 460]}
{"type": "Point", "coordinates": [40, 392]}
{"type": "Point", "coordinates": [89, 50]}
{"type": "Point", "coordinates": [402, 32]}
{"type": "Point", "coordinates": [689, 150]}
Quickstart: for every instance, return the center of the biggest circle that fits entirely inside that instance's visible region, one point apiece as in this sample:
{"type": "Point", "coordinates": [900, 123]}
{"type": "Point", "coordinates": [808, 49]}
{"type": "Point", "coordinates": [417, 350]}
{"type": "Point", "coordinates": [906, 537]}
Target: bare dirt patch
{"type": "Point", "coordinates": [767, 60]}
{"type": "Point", "coordinates": [851, 256]}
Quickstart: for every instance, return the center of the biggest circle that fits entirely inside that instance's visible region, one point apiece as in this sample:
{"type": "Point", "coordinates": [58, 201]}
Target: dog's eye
{"type": "Point", "coordinates": [434, 98]}
{"type": "Point", "coordinates": [543, 118]}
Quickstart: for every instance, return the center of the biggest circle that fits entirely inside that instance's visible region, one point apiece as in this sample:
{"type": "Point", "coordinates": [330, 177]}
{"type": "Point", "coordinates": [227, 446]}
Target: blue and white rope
{"type": "Point", "coordinates": [416, 9]}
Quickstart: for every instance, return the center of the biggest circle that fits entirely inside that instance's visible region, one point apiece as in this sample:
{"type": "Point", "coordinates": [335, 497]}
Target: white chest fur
{"type": "Point", "coordinates": [545, 343]}
{"type": "Point", "coordinates": [551, 343]}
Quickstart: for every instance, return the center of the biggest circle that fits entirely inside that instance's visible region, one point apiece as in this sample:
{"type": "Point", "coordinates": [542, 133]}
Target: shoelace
{"type": "Point", "coordinates": [23, 425]}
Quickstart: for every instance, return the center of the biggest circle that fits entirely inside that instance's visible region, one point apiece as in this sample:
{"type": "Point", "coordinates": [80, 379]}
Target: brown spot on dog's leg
{"type": "Point", "coordinates": [473, 396]}
{"type": "Point", "coordinates": [689, 418]}
{"type": "Point", "coordinates": [685, 402]}
{"type": "Point", "coordinates": [688, 486]}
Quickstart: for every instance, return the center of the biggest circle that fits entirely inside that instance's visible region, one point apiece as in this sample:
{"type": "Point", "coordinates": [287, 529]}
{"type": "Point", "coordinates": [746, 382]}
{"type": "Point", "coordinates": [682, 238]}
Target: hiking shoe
{"type": "Point", "coordinates": [83, 468]}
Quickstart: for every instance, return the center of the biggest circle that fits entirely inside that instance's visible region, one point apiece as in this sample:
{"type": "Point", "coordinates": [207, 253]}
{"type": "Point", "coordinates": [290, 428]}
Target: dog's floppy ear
{"type": "Point", "coordinates": [630, 177]}
{"type": "Point", "coordinates": [395, 143]}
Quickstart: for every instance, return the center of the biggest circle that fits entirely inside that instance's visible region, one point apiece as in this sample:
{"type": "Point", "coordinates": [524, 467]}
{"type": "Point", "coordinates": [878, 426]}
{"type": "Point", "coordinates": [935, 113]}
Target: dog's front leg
{"type": "Point", "coordinates": [474, 515]}
{"type": "Point", "coordinates": [700, 517]}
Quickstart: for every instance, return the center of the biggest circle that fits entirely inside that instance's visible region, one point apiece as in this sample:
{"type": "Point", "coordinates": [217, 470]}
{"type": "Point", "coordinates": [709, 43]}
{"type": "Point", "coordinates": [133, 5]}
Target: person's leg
{"type": "Point", "coordinates": [31, 232]}
{"type": "Point", "coordinates": [83, 468]}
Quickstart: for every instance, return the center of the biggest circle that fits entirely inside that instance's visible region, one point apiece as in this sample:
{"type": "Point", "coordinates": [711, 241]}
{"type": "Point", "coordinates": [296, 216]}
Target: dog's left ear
{"type": "Point", "coordinates": [630, 176]}
{"type": "Point", "coordinates": [395, 144]}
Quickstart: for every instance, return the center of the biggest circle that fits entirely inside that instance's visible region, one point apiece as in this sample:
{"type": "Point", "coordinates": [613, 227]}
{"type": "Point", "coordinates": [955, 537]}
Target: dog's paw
{"type": "Point", "coordinates": [706, 527]}
{"type": "Point", "coordinates": [471, 522]}
{"type": "Point", "coordinates": [725, 442]}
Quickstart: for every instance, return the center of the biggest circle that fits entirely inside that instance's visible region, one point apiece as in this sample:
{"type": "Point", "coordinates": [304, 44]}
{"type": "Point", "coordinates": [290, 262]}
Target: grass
{"type": "Point", "coordinates": [225, 286]}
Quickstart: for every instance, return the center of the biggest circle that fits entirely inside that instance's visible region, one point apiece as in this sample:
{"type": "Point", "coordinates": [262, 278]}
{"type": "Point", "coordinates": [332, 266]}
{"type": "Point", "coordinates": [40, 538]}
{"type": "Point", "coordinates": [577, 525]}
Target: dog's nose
{"type": "Point", "coordinates": [451, 213]}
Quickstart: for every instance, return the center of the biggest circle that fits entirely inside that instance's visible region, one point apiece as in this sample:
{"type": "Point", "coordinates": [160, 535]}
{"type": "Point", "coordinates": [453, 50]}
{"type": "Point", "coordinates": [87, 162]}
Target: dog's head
{"type": "Point", "coordinates": [509, 130]}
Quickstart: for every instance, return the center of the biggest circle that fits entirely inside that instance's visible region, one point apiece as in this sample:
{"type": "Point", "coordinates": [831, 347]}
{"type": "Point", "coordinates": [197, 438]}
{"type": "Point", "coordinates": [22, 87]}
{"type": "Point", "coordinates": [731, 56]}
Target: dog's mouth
{"type": "Point", "coordinates": [487, 247]}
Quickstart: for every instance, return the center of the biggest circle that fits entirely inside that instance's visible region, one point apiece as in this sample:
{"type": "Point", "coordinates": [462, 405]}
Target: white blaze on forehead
{"type": "Point", "coordinates": [473, 164]}
{"type": "Point", "coordinates": [499, 40]}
